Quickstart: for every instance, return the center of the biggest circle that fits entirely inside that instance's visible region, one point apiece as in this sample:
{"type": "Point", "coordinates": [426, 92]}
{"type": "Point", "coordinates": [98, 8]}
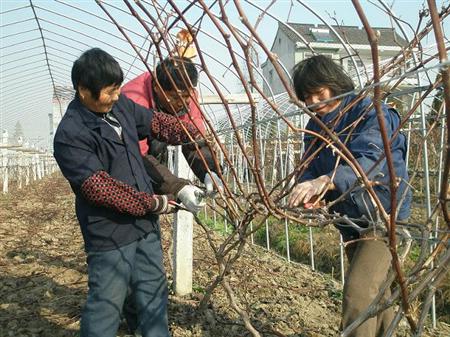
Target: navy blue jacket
{"type": "Point", "coordinates": [84, 143]}
{"type": "Point", "coordinates": [366, 145]}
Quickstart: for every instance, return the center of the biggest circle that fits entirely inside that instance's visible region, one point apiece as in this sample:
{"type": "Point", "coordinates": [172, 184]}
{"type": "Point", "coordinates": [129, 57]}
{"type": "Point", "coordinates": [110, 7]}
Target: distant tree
{"type": "Point", "coordinates": [18, 133]}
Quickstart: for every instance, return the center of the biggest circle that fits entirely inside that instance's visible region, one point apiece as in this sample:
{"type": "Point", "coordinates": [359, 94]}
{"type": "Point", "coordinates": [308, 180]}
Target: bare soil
{"type": "Point", "coordinates": [43, 279]}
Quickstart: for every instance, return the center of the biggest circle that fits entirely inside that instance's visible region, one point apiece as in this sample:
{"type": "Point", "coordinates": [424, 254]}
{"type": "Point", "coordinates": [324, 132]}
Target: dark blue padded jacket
{"type": "Point", "coordinates": [84, 144]}
{"type": "Point", "coordinates": [365, 143]}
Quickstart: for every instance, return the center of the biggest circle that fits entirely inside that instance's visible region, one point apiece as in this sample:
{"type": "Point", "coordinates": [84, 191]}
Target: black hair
{"type": "Point", "coordinates": [95, 69]}
{"type": "Point", "coordinates": [320, 71]}
{"type": "Point", "coordinates": [176, 68]}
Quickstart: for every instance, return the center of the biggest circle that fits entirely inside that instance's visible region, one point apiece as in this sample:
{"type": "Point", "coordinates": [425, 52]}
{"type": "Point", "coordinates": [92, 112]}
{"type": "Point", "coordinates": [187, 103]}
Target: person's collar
{"type": "Point", "coordinates": [91, 115]}
{"type": "Point", "coordinates": [343, 103]}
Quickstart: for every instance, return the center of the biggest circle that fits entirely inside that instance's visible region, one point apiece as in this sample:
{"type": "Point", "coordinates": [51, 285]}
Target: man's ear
{"type": "Point", "coordinates": [157, 90]}
{"type": "Point", "coordinates": [83, 92]}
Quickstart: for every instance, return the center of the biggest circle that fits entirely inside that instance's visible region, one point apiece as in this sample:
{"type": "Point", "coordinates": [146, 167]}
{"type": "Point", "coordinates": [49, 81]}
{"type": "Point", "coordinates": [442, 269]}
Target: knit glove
{"type": "Point", "coordinates": [160, 204]}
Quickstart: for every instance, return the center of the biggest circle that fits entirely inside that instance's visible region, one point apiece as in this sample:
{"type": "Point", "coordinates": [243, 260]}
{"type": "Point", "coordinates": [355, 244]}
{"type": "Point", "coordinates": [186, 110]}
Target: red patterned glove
{"type": "Point", "coordinates": [102, 190]}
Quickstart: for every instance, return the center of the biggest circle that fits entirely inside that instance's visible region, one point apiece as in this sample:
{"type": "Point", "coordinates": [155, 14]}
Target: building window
{"type": "Point", "coordinates": [321, 34]}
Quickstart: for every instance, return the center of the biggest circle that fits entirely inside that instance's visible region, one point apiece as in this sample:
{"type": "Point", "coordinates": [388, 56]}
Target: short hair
{"type": "Point", "coordinates": [176, 68]}
{"type": "Point", "coordinates": [320, 71]}
{"type": "Point", "coordinates": [95, 69]}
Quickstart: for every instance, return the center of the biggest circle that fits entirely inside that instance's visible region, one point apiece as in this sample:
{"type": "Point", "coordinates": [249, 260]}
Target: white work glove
{"type": "Point", "coordinates": [307, 192]}
{"type": "Point", "coordinates": [209, 180]}
{"type": "Point", "coordinates": [192, 198]}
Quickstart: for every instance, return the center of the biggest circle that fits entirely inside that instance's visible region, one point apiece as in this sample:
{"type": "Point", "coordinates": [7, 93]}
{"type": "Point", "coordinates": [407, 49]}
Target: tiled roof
{"type": "Point", "coordinates": [351, 34]}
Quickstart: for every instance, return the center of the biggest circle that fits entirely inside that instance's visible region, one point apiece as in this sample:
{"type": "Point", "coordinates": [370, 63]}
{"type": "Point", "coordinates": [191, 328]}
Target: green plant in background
{"type": "Point", "coordinates": [326, 241]}
{"type": "Point", "coordinates": [198, 289]}
{"type": "Point", "coordinates": [326, 251]}
{"type": "Point", "coordinates": [219, 225]}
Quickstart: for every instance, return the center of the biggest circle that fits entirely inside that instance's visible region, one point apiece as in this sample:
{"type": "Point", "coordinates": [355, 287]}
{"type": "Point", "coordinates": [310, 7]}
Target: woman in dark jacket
{"type": "Point", "coordinates": [317, 81]}
{"type": "Point", "coordinates": [96, 147]}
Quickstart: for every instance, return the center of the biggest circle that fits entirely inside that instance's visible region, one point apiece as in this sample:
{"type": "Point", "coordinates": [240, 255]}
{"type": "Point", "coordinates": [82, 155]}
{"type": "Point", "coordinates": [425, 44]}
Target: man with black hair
{"type": "Point", "coordinates": [96, 148]}
{"type": "Point", "coordinates": [317, 81]}
{"type": "Point", "coordinates": [171, 91]}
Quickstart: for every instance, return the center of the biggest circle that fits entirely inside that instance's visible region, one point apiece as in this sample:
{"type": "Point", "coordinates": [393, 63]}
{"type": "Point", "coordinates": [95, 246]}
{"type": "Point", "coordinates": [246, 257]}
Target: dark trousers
{"type": "Point", "coordinates": [370, 262]}
{"type": "Point", "coordinates": [138, 266]}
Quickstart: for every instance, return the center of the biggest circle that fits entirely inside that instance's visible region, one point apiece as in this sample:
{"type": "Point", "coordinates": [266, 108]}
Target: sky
{"type": "Point", "coordinates": [26, 87]}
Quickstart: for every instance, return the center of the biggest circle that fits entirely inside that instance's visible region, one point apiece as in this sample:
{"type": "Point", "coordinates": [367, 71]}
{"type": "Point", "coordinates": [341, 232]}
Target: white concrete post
{"type": "Point", "coordinates": [341, 254]}
{"type": "Point", "coordinates": [38, 166]}
{"type": "Point", "coordinates": [5, 173]}
{"type": "Point", "coordinates": [42, 160]}
{"type": "Point", "coordinates": [182, 236]}
{"type": "Point", "coordinates": [27, 169]}
{"type": "Point", "coordinates": [14, 166]}
{"type": "Point", "coordinates": [4, 161]}
{"type": "Point", "coordinates": [34, 166]}
{"type": "Point", "coordinates": [20, 168]}
{"type": "Point", "coordinates": [44, 164]}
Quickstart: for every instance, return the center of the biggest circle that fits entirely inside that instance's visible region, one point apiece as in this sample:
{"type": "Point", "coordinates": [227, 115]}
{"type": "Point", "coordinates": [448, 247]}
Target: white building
{"type": "Point", "coordinates": [296, 41]}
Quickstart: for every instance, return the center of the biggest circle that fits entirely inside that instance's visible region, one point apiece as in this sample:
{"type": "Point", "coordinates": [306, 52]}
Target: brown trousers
{"type": "Point", "coordinates": [370, 261]}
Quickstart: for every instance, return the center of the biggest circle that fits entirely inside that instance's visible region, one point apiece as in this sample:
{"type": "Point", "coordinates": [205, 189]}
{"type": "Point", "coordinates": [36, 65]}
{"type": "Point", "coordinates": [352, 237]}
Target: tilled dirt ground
{"type": "Point", "coordinates": [43, 278]}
